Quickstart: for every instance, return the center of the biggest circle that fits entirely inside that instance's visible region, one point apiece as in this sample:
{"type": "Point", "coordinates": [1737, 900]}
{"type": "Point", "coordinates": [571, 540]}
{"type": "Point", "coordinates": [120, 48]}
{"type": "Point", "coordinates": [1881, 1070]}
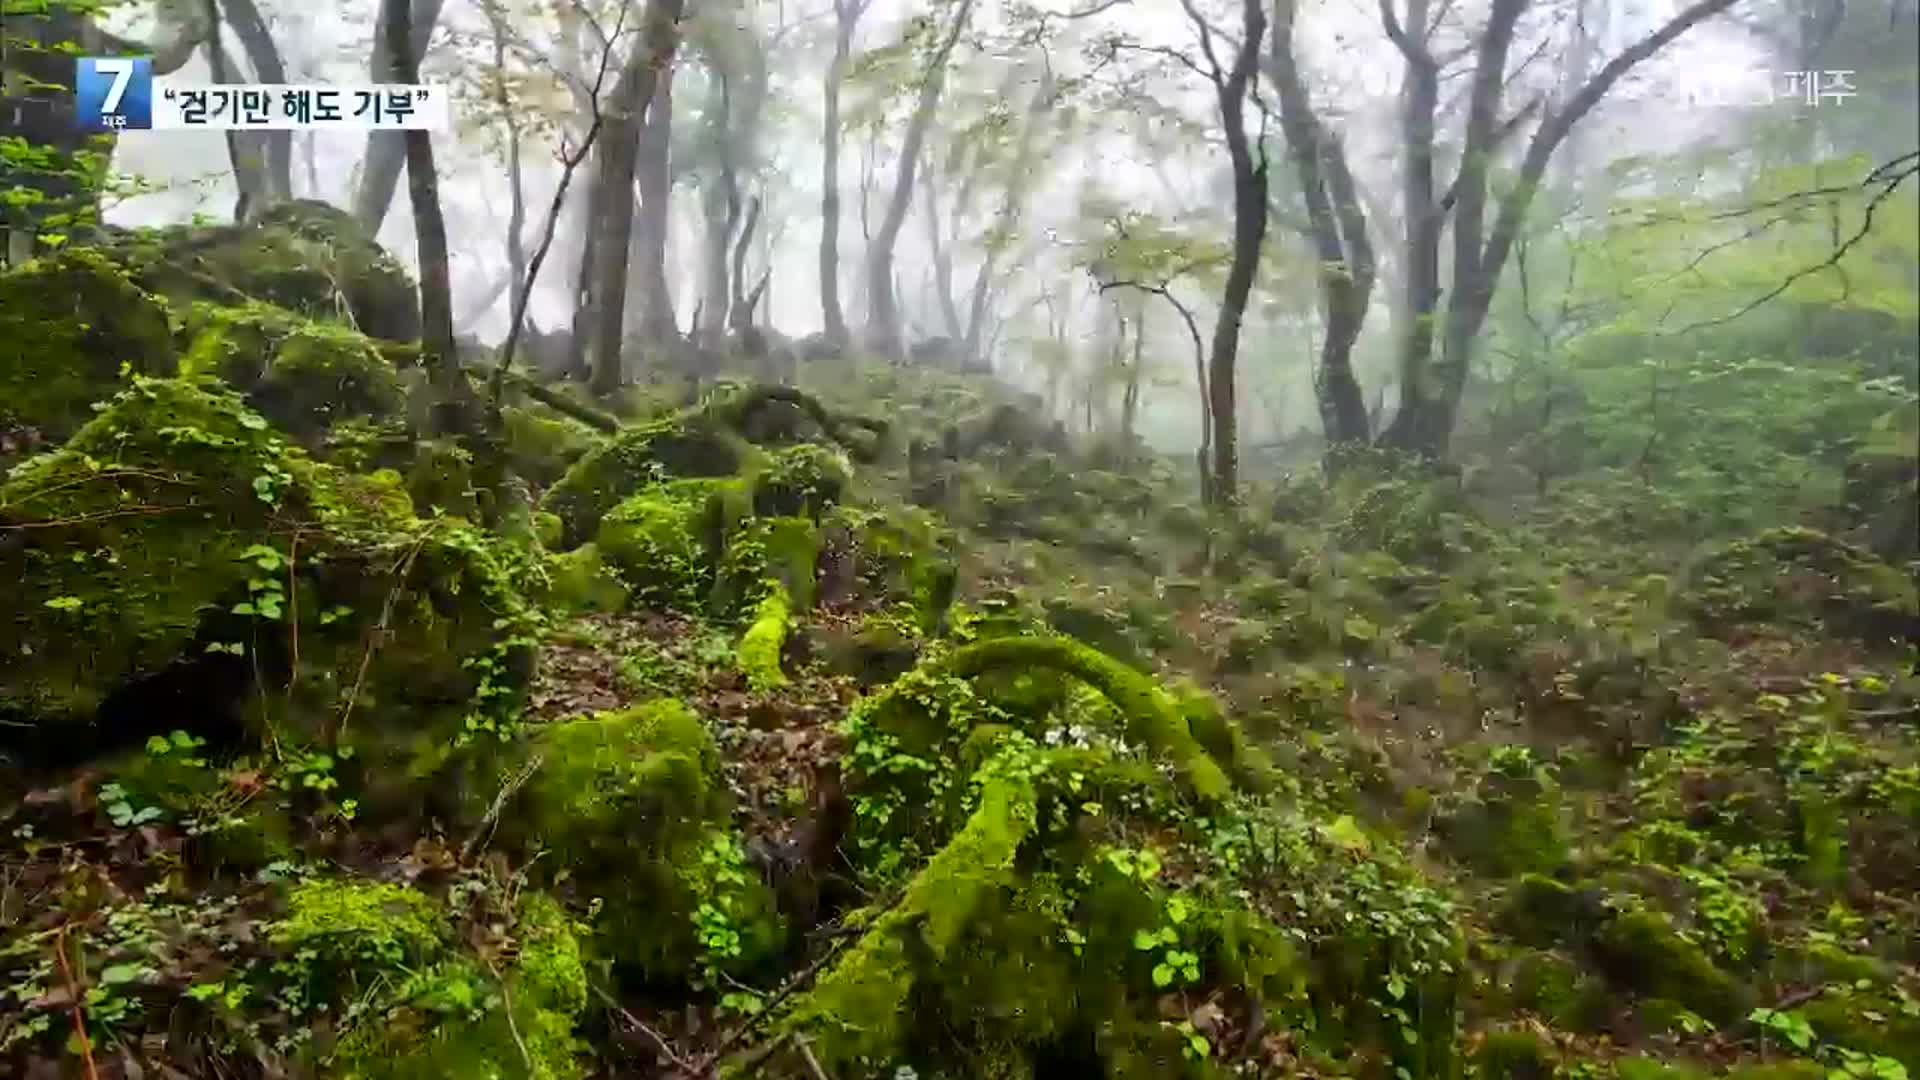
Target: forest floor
{"type": "Point", "coordinates": [758, 738]}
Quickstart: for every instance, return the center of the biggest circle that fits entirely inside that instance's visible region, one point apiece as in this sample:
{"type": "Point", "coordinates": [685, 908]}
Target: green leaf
{"type": "Point", "coordinates": [65, 603]}
{"type": "Point", "coordinates": [117, 974]}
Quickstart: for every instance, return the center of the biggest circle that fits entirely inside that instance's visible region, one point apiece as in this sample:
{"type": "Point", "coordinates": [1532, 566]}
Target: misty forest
{"type": "Point", "coordinates": [967, 540]}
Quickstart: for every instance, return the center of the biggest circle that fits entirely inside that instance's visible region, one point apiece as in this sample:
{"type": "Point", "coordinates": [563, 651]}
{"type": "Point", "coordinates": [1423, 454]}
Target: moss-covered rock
{"type": "Point", "coordinates": [1640, 949]}
{"type": "Point", "coordinates": [631, 804]}
{"type": "Point", "coordinates": [667, 538]}
{"type": "Point", "coordinates": [322, 373]}
{"type": "Point", "coordinates": [72, 328]}
{"type": "Point", "coordinates": [684, 445]}
{"type": "Point", "coordinates": [581, 581]}
{"type": "Point", "coordinates": [423, 1008]}
{"type": "Point", "coordinates": [177, 531]}
{"type": "Point", "coordinates": [236, 342]}
{"type": "Point", "coordinates": [541, 445]}
{"type": "Point", "coordinates": [1805, 576]}
{"type": "Point", "coordinates": [440, 480]}
{"type": "Point", "coordinates": [783, 551]}
{"type": "Point", "coordinates": [803, 480]}
{"type": "Point", "coordinates": [303, 255]}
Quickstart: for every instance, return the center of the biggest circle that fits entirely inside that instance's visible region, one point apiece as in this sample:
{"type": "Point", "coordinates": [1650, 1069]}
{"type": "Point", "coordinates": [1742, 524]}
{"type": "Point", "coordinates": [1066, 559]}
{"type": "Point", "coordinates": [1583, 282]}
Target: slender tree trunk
{"type": "Point", "coordinates": [256, 40]}
{"type": "Point", "coordinates": [245, 152]}
{"type": "Point", "coordinates": [1420, 212]}
{"type": "Point", "coordinates": [942, 261]}
{"type": "Point", "coordinates": [386, 150]}
{"type": "Point", "coordinates": [617, 156]}
{"type": "Point", "coordinates": [658, 323]}
{"type": "Point", "coordinates": [883, 322]}
{"type": "Point", "coordinates": [517, 194]}
{"type": "Point", "coordinates": [846, 16]}
{"type": "Point", "coordinates": [1345, 254]}
{"type": "Point", "coordinates": [1012, 205]}
{"type": "Point", "coordinates": [740, 310]}
{"type": "Point", "coordinates": [453, 413]}
{"type": "Point", "coordinates": [1249, 233]}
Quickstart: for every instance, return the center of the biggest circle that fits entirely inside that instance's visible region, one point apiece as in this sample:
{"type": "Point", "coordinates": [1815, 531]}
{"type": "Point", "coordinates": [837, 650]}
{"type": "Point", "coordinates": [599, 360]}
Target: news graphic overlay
{"type": "Point", "coordinates": [113, 93]}
{"type": "Point", "coordinates": [239, 107]}
{"type": "Point", "coordinates": [121, 94]}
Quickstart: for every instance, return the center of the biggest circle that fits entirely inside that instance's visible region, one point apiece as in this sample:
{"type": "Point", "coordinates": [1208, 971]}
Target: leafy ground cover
{"type": "Point", "coordinates": [767, 739]}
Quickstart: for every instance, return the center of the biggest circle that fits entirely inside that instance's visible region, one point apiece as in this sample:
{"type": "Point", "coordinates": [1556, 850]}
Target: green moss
{"type": "Point", "coordinates": [1770, 577]}
{"type": "Point", "coordinates": [859, 1009]}
{"type": "Point", "coordinates": [666, 539]}
{"type": "Point", "coordinates": [803, 480]}
{"type": "Point", "coordinates": [629, 804]}
{"type": "Point", "coordinates": [445, 1021]}
{"type": "Point", "coordinates": [441, 480]}
{"type": "Point", "coordinates": [322, 373]}
{"type": "Point", "coordinates": [581, 581]}
{"type": "Point", "coordinates": [1559, 990]}
{"type": "Point", "coordinates": [349, 934]}
{"type": "Point", "coordinates": [134, 584]}
{"type": "Point", "coordinates": [235, 342]}
{"type": "Point", "coordinates": [233, 540]}
{"type": "Point", "coordinates": [1513, 1055]}
{"type": "Point", "coordinates": [1640, 949]}
{"type": "Point", "coordinates": [72, 327]}
{"type": "Point", "coordinates": [760, 646]}
{"type": "Point", "coordinates": [543, 446]}
{"type": "Point", "coordinates": [1646, 1068]}
{"type": "Point", "coordinates": [1151, 713]}
{"type": "Point", "coordinates": [785, 550]}
{"type": "Point", "coordinates": [685, 445]}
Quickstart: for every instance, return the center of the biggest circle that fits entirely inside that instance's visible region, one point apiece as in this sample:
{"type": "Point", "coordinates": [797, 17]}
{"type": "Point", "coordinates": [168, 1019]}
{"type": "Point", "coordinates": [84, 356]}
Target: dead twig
{"type": "Point", "coordinates": [73, 996]}
{"type": "Point", "coordinates": [806, 1054]}
{"type": "Point", "coordinates": [484, 831]}
{"type": "Point", "coordinates": [659, 1041]}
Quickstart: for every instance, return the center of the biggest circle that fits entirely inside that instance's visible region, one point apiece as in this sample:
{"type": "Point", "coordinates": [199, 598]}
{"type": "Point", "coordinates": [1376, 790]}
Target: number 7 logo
{"type": "Point", "coordinates": [113, 93]}
{"type": "Point", "coordinates": [121, 69]}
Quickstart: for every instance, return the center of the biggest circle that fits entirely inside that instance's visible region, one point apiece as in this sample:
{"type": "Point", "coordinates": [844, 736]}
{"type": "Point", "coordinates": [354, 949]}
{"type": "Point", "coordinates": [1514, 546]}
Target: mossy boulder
{"type": "Point", "coordinates": [424, 1007]}
{"type": "Point", "coordinates": [322, 373]}
{"type": "Point", "coordinates": [684, 445]}
{"type": "Point", "coordinates": [1798, 575]}
{"type": "Point", "coordinates": [764, 553]}
{"type": "Point", "coordinates": [236, 342]}
{"type": "Point", "coordinates": [802, 480]}
{"type": "Point", "coordinates": [582, 581]}
{"type": "Point", "coordinates": [1640, 949]}
{"type": "Point", "coordinates": [72, 328]}
{"type": "Point", "coordinates": [667, 538]}
{"type": "Point", "coordinates": [177, 533]}
{"type": "Point", "coordinates": [760, 646]}
{"type": "Point", "coordinates": [541, 445]}
{"type": "Point", "coordinates": [303, 255]}
{"type": "Point", "coordinates": [633, 806]}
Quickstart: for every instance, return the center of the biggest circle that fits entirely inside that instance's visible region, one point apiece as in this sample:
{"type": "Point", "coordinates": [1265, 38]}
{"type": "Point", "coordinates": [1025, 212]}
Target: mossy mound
{"type": "Point", "coordinates": [323, 373]}
{"type": "Point", "coordinates": [685, 445]}
{"type": "Point", "coordinates": [803, 480]}
{"type": "Point", "coordinates": [632, 805]}
{"type": "Point", "coordinates": [1791, 574]}
{"type": "Point", "coordinates": [180, 535]}
{"type": "Point", "coordinates": [302, 255]}
{"type": "Point", "coordinates": [543, 446]}
{"type": "Point", "coordinates": [454, 1012]}
{"type": "Point", "coordinates": [73, 327]}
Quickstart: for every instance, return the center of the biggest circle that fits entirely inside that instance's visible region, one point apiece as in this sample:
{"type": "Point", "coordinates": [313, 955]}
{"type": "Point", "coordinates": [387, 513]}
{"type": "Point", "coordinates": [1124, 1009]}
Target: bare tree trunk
{"type": "Point", "coordinates": [1346, 265]}
{"type": "Point", "coordinates": [942, 261]}
{"type": "Point", "coordinates": [245, 152]}
{"type": "Point", "coordinates": [1420, 211]}
{"type": "Point", "coordinates": [846, 17]}
{"type": "Point", "coordinates": [453, 413]}
{"type": "Point", "coordinates": [883, 321]}
{"type": "Point", "coordinates": [580, 335]}
{"type": "Point", "coordinates": [1249, 233]}
{"type": "Point", "coordinates": [386, 150]}
{"type": "Point", "coordinates": [617, 158]}
{"type": "Point", "coordinates": [256, 40]}
{"type": "Point", "coordinates": [1012, 205]}
{"type": "Point", "coordinates": [740, 311]}
{"type": "Point", "coordinates": [1426, 419]}
{"type": "Point", "coordinates": [657, 320]}
{"type": "Point", "coordinates": [517, 215]}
